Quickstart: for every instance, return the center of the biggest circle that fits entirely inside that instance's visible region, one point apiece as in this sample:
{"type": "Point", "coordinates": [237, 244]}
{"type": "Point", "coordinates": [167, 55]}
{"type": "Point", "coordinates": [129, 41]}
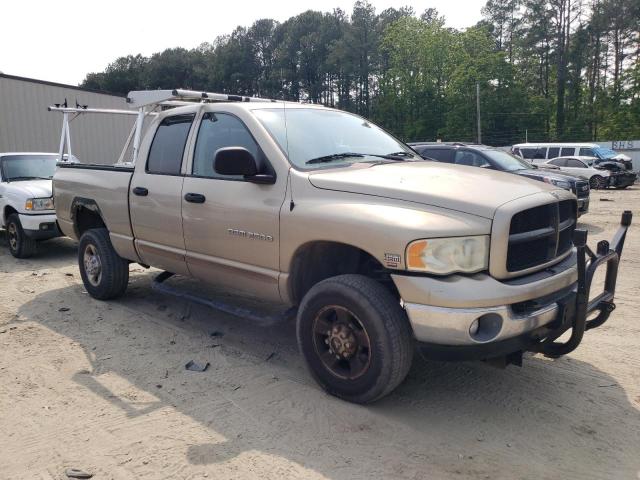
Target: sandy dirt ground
{"type": "Point", "coordinates": [102, 387]}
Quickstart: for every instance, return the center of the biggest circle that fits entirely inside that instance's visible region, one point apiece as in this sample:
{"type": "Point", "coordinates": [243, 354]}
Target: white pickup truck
{"type": "Point", "coordinates": [26, 201]}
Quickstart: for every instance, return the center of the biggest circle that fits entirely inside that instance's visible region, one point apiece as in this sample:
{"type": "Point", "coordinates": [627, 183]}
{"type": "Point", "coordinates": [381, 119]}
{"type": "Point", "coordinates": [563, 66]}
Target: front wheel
{"type": "Point", "coordinates": [105, 274]}
{"type": "Point", "coordinates": [597, 182]}
{"type": "Point", "coordinates": [355, 338]}
{"type": "Point", "coordinates": [20, 245]}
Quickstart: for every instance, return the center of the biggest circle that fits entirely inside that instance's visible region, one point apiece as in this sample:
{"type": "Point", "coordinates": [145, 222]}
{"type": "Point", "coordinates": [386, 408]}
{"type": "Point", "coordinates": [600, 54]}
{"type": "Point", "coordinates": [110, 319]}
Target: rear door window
{"type": "Point", "coordinates": [553, 152]}
{"type": "Point", "coordinates": [472, 159]}
{"type": "Point", "coordinates": [559, 162]}
{"type": "Point", "coordinates": [564, 151]}
{"type": "Point", "coordinates": [167, 148]}
{"type": "Point", "coordinates": [440, 154]}
{"type": "Point", "coordinates": [575, 163]}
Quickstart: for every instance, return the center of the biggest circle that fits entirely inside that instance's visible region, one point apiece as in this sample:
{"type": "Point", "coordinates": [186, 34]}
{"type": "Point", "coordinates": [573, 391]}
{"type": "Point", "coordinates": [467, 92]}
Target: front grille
{"type": "Point", "coordinates": [582, 189]}
{"type": "Point", "coordinates": [540, 234]}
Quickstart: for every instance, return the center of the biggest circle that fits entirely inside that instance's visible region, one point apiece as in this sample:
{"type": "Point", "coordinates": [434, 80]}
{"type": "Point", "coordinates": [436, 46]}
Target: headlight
{"type": "Point", "coordinates": [558, 183]}
{"type": "Point", "coordinates": [39, 204]}
{"type": "Point", "coordinates": [447, 255]}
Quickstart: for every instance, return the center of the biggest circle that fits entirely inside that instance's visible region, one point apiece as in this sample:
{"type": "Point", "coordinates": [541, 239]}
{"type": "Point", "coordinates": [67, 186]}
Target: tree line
{"type": "Point", "coordinates": [546, 69]}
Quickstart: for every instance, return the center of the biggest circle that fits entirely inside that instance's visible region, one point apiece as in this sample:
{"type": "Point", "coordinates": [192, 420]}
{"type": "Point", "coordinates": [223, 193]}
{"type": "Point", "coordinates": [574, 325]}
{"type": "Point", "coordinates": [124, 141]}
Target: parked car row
{"type": "Point", "coordinates": [376, 251]}
{"type": "Point", "coordinates": [537, 152]}
{"type": "Point", "coordinates": [601, 174]}
{"type": "Point", "coordinates": [496, 159]}
{"type": "Point", "coordinates": [615, 169]}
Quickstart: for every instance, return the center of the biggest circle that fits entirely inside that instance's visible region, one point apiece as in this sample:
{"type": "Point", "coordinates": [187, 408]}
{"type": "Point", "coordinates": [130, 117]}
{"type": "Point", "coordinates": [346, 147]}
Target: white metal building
{"type": "Point", "coordinates": [27, 126]}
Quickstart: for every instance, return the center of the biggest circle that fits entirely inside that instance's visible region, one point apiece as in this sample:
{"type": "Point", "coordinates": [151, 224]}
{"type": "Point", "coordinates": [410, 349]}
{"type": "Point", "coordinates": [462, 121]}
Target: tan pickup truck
{"type": "Point", "coordinates": [322, 210]}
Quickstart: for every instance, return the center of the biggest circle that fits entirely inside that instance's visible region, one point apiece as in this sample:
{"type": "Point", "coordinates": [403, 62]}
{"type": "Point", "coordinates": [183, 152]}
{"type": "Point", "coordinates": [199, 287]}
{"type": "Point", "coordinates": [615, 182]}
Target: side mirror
{"type": "Point", "coordinates": [235, 161]}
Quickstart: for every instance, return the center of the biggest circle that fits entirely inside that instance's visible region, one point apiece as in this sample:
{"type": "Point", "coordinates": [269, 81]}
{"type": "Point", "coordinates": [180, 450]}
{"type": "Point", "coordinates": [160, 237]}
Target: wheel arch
{"type": "Point", "coordinates": [86, 214]}
{"type": "Point", "coordinates": [309, 265]}
{"type": "Point", "coordinates": [8, 210]}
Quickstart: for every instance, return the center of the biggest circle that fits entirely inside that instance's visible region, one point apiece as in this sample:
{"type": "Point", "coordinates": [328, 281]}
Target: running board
{"type": "Point", "coordinates": [158, 285]}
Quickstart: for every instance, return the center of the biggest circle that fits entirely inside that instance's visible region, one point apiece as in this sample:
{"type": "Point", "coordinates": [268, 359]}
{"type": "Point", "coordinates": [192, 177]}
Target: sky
{"type": "Point", "coordinates": [61, 41]}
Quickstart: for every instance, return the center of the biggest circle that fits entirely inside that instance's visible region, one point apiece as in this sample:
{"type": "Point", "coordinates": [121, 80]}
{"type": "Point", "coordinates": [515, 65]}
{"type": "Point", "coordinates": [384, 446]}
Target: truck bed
{"type": "Point", "coordinates": [101, 187]}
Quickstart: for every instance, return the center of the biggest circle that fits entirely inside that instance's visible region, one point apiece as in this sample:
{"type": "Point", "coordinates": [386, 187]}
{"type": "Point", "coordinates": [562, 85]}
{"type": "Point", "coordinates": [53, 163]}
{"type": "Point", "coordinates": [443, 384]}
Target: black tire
{"type": "Point", "coordinates": [20, 245]}
{"type": "Point", "coordinates": [597, 182]}
{"type": "Point", "coordinates": [105, 274]}
{"type": "Point", "coordinates": [385, 326]}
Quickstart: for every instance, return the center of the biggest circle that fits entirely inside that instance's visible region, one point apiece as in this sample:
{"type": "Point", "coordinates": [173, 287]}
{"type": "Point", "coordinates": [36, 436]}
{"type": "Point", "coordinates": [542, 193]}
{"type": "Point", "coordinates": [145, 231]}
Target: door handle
{"type": "Point", "coordinates": [195, 198]}
{"type": "Point", "coordinates": [140, 191]}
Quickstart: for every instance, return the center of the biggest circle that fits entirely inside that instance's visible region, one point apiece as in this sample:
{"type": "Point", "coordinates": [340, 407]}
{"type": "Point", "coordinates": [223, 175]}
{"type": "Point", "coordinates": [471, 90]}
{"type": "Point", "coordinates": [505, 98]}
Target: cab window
{"type": "Point", "coordinates": [167, 148]}
{"type": "Point", "coordinates": [220, 130]}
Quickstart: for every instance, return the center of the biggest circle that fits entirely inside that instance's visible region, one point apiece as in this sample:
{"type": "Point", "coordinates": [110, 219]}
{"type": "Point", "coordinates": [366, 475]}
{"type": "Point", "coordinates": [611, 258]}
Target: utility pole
{"type": "Point", "coordinates": [526, 135]}
{"type": "Point", "coordinates": [478, 110]}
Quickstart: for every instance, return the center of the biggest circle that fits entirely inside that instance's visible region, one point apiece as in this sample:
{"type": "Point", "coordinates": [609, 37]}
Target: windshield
{"type": "Point", "coordinates": [327, 138]}
{"type": "Point", "coordinates": [506, 161]}
{"type": "Point", "coordinates": [28, 167]}
{"type": "Point", "coordinates": [605, 153]}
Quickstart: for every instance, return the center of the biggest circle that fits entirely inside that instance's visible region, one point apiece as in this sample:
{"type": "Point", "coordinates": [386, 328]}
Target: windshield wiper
{"type": "Point", "coordinates": [397, 156]}
{"type": "Point", "coordinates": [332, 157]}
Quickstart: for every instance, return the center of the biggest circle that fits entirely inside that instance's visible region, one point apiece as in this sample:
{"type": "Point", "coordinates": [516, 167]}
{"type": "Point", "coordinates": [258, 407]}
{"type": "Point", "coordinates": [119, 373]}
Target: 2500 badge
{"type": "Point", "coordinates": [250, 235]}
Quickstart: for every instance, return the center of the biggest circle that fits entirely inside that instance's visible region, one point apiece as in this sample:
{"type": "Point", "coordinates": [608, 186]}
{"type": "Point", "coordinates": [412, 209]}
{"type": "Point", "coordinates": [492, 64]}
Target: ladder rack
{"type": "Point", "coordinates": [145, 102]}
{"type": "Point", "coordinates": [143, 98]}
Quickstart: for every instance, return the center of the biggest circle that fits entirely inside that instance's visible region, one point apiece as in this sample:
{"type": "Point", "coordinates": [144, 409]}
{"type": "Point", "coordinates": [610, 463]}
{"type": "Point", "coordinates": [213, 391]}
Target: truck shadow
{"type": "Point", "coordinates": [54, 253]}
{"type": "Point", "coordinates": [466, 419]}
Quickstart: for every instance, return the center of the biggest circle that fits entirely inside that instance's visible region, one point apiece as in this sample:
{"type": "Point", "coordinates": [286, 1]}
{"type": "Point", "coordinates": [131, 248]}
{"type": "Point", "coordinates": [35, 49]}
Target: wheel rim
{"type": "Point", "coordinates": [341, 342]}
{"type": "Point", "coordinates": [13, 236]}
{"type": "Point", "coordinates": [92, 265]}
{"type": "Point", "coordinates": [597, 182]}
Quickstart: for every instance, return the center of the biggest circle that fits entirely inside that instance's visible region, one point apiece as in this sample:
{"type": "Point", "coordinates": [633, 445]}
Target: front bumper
{"type": "Point", "coordinates": [479, 317]}
{"type": "Point", "coordinates": [623, 179]}
{"type": "Point", "coordinates": [40, 226]}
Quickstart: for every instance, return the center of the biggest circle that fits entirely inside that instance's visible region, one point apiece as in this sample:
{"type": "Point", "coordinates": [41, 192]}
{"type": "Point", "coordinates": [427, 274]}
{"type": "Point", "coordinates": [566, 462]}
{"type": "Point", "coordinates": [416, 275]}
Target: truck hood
{"type": "Point", "coordinates": [30, 188]}
{"type": "Point", "coordinates": [465, 189]}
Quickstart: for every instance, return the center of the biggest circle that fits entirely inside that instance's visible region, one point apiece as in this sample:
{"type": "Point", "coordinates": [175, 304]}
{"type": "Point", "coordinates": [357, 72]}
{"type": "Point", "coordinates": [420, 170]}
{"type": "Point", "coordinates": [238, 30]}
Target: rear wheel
{"type": "Point", "coordinates": [20, 245]}
{"type": "Point", "coordinates": [105, 274]}
{"type": "Point", "coordinates": [355, 338]}
{"type": "Point", "coordinates": [597, 182]}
